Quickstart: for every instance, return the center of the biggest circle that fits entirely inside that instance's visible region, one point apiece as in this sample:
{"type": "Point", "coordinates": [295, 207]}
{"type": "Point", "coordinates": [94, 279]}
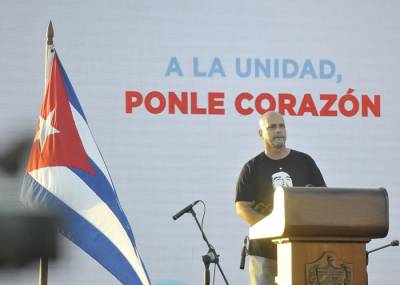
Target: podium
{"type": "Point", "coordinates": [321, 233]}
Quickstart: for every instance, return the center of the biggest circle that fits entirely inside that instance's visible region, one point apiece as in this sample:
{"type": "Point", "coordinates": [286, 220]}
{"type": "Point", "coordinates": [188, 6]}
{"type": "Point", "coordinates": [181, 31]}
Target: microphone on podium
{"type": "Point", "coordinates": [244, 253]}
{"type": "Point", "coordinates": [392, 243]}
{"type": "Point", "coordinates": [184, 210]}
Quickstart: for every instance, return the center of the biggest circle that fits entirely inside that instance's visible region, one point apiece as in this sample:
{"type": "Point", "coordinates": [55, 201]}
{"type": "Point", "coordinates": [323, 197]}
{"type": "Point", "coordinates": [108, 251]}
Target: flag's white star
{"type": "Point", "coordinates": [45, 129]}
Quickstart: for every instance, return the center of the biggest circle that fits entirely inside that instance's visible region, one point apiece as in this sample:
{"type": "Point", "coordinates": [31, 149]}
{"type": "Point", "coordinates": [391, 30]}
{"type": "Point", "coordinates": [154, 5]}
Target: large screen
{"type": "Point", "coordinates": [173, 91]}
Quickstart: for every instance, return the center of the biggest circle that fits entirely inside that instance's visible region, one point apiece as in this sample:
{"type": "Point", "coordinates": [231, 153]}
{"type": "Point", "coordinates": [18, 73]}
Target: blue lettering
{"type": "Point", "coordinates": [216, 67]}
{"type": "Point", "coordinates": [326, 69]}
{"type": "Point", "coordinates": [196, 71]}
{"type": "Point", "coordinates": [276, 68]}
{"type": "Point", "coordinates": [265, 68]}
{"type": "Point", "coordinates": [173, 66]}
{"type": "Point", "coordinates": [290, 68]}
{"type": "Point", "coordinates": [308, 69]}
{"type": "Point", "coordinates": [247, 72]}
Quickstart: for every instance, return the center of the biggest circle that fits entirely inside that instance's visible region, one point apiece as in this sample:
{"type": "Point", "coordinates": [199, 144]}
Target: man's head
{"type": "Point", "coordinates": [272, 130]}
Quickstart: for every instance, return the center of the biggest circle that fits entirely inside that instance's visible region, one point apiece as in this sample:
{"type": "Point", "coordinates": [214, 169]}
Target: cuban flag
{"type": "Point", "coordinates": [66, 172]}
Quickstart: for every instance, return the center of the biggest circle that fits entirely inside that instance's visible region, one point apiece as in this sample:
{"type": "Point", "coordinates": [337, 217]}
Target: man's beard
{"type": "Point", "coordinates": [278, 142]}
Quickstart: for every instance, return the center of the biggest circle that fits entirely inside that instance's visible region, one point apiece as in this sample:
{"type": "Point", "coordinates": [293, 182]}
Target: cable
{"type": "Point", "coordinates": [204, 212]}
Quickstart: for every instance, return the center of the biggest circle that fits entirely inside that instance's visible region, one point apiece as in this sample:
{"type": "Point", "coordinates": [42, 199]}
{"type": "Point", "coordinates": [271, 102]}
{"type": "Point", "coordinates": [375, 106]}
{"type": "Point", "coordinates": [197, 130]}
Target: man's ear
{"type": "Point", "coordinates": [260, 133]}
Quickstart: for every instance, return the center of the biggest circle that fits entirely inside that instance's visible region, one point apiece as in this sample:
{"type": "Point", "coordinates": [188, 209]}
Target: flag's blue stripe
{"type": "Point", "coordinates": [101, 186]}
{"type": "Point", "coordinates": [116, 209]}
{"type": "Point", "coordinates": [98, 182]}
{"type": "Point", "coordinates": [82, 233]}
{"type": "Point", "coordinates": [73, 99]}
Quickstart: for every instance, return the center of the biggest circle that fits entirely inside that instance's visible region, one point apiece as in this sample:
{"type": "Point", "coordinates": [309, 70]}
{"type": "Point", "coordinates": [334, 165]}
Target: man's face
{"type": "Point", "coordinates": [273, 131]}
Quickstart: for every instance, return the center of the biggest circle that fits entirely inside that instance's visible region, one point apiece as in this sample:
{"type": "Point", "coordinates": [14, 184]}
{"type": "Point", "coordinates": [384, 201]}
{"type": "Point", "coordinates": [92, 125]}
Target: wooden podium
{"type": "Point", "coordinates": [321, 233]}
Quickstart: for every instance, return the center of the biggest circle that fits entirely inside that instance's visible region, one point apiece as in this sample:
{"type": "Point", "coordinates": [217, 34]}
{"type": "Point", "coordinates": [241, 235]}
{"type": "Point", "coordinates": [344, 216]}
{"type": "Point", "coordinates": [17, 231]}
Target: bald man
{"type": "Point", "coordinates": [276, 166]}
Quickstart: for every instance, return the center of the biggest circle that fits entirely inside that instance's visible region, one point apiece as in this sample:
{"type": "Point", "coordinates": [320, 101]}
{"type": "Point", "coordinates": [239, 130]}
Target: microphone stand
{"type": "Point", "coordinates": [210, 257]}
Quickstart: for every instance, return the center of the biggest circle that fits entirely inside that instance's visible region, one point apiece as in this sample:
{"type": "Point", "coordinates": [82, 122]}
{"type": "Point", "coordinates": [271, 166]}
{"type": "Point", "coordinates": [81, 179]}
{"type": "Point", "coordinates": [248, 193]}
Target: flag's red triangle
{"type": "Point", "coordinates": [61, 146]}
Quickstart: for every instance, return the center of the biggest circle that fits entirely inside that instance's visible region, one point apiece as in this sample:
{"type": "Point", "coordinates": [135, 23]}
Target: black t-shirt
{"type": "Point", "coordinates": [261, 175]}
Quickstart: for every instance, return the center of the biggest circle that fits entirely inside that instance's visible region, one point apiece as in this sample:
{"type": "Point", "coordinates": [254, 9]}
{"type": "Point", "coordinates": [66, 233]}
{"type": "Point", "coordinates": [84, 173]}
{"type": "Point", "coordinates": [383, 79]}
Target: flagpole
{"type": "Point", "coordinates": [49, 54]}
{"type": "Point", "coordinates": [43, 268]}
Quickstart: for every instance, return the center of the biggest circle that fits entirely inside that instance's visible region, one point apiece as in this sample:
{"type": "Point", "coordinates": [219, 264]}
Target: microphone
{"type": "Point", "coordinates": [243, 255]}
{"type": "Point", "coordinates": [392, 243]}
{"type": "Point", "coordinates": [184, 210]}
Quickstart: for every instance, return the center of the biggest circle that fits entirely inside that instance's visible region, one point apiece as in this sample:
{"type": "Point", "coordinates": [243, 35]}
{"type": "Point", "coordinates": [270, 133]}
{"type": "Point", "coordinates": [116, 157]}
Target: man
{"type": "Point", "coordinates": [276, 166]}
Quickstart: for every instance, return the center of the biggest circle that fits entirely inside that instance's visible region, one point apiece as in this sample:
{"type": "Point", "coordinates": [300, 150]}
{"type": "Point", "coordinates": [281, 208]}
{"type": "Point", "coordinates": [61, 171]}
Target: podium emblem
{"type": "Point", "coordinates": [329, 270]}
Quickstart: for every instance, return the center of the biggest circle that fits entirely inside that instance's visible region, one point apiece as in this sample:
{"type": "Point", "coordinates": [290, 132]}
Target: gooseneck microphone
{"type": "Point", "coordinates": [392, 243]}
{"type": "Point", "coordinates": [184, 210]}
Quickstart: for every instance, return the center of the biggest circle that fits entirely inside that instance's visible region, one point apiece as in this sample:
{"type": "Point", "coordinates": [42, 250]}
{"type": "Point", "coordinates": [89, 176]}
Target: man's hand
{"type": "Point", "coordinates": [262, 208]}
{"type": "Point", "coordinates": [245, 211]}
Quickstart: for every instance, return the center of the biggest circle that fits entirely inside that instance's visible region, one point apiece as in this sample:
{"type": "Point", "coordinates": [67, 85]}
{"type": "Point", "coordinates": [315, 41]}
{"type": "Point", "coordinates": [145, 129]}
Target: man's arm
{"type": "Point", "coordinates": [246, 212]}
